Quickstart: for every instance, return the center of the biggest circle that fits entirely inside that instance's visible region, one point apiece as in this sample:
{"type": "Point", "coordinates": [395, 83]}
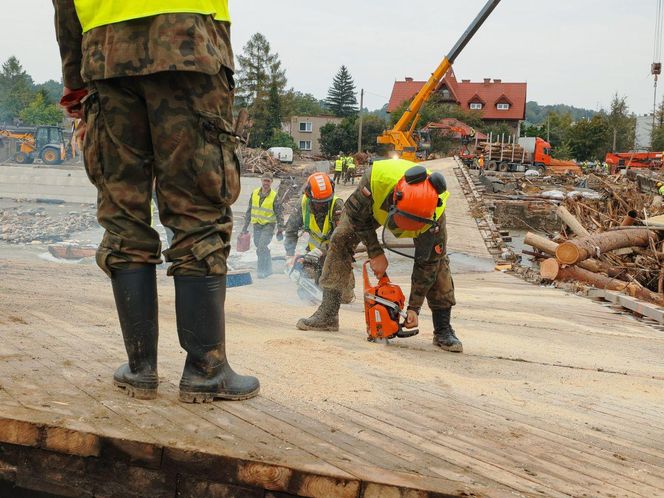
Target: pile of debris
{"type": "Point", "coordinates": [37, 226]}
{"type": "Point", "coordinates": [258, 161]}
{"type": "Point", "coordinates": [613, 242]}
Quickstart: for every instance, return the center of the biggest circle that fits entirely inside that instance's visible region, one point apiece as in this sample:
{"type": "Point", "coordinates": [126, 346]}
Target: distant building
{"type": "Point", "coordinates": [497, 101]}
{"type": "Point", "coordinates": [305, 131]}
{"type": "Point", "coordinates": [643, 132]}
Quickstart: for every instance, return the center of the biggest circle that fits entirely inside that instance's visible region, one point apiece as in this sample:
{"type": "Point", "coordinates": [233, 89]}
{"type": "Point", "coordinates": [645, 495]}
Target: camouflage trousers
{"type": "Point", "coordinates": [171, 130]}
{"type": "Point", "coordinates": [338, 268]}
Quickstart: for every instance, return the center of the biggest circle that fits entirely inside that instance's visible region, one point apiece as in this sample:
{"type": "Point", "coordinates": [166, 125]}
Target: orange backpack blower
{"type": "Point", "coordinates": [383, 307]}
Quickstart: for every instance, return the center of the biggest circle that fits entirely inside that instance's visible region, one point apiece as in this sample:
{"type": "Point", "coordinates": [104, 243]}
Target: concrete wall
{"type": "Point", "coordinates": [523, 215]}
{"type": "Point", "coordinates": [305, 130]}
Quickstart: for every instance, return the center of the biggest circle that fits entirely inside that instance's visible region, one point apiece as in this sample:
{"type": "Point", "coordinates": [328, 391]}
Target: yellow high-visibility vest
{"type": "Point", "coordinates": [384, 177]}
{"type": "Point", "coordinates": [317, 237]}
{"type": "Point", "coordinates": [263, 214]}
{"type": "Point", "coordinates": [661, 190]}
{"type": "Point", "coordinates": [339, 165]}
{"type": "Point", "coordinates": [95, 13]}
{"type": "Point", "coordinates": [351, 163]}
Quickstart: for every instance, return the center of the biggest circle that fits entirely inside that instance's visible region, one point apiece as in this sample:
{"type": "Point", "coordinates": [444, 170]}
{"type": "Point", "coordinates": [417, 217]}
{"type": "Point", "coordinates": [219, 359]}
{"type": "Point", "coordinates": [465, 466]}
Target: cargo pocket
{"type": "Point", "coordinates": [92, 147]}
{"type": "Point", "coordinates": [213, 251]}
{"type": "Point", "coordinates": [216, 133]}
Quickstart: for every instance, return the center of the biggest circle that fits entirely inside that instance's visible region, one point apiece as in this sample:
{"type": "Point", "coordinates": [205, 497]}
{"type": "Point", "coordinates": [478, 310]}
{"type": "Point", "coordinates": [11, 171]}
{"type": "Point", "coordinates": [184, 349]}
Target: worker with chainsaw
{"type": "Point", "coordinates": [154, 87]}
{"type": "Point", "coordinates": [317, 214]}
{"type": "Point", "coordinates": [264, 213]}
{"type": "Point", "coordinates": [408, 201]}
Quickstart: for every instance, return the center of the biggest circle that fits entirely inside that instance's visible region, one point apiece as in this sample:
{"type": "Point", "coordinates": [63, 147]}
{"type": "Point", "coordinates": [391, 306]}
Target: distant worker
{"type": "Point", "coordinates": [154, 87]}
{"type": "Point", "coordinates": [350, 171]}
{"type": "Point", "coordinates": [660, 188]}
{"type": "Point", "coordinates": [338, 168]}
{"type": "Point", "coordinates": [317, 214]}
{"type": "Point", "coordinates": [407, 200]}
{"type": "Point", "coordinates": [480, 164]}
{"type": "Point", "coordinates": [264, 212]}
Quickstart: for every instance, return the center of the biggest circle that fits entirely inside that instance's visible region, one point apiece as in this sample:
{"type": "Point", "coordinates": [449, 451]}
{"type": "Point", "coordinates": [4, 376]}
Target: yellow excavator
{"type": "Point", "coordinates": [403, 136]}
{"type": "Point", "coordinates": [44, 142]}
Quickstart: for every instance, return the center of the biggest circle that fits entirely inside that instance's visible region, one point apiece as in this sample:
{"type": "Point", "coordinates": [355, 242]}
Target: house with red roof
{"type": "Point", "coordinates": [497, 101]}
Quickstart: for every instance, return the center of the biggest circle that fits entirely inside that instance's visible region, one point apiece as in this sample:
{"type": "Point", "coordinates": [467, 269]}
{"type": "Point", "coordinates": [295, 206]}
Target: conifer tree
{"type": "Point", "coordinates": [341, 100]}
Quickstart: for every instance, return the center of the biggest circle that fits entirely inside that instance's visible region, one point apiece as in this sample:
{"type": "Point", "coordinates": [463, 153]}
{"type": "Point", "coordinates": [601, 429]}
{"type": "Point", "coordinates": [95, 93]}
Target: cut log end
{"type": "Point", "coordinates": [549, 269]}
{"type": "Point", "coordinates": [568, 253]}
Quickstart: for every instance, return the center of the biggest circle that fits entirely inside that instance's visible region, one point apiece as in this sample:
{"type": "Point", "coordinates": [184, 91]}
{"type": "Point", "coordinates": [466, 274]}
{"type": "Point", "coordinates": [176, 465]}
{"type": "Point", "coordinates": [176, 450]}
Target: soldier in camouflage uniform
{"type": "Point", "coordinates": [159, 107]}
{"type": "Point", "coordinates": [402, 183]}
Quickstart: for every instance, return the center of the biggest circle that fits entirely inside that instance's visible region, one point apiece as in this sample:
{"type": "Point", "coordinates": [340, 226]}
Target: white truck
{"type": "Point", "coordinates": [283, 154]}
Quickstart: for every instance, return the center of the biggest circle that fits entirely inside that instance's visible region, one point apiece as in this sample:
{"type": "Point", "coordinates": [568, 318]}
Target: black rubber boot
{"type": "Point", "coordinates": [443, 333]}
{"type": "Point", "coordinates": [326, 317]}
{"type": "Point", "coordinates": [135, 294]}
{"type": "Point", "coordinates": [199, 306]}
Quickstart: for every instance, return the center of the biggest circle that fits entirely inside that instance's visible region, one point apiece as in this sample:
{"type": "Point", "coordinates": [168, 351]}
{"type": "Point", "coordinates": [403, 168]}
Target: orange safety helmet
{"type": "Point", "coordinates": [416, 197]}
{"type": "Point", "coordinates": [319, 188]}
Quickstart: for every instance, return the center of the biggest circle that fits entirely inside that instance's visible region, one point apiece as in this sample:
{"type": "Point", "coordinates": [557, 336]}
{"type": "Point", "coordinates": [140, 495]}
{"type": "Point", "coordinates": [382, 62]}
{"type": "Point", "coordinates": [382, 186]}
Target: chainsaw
{"type": "Point", "coordinates": [384, 306]}
{"type": "Point", "coordinates": [299, 271]}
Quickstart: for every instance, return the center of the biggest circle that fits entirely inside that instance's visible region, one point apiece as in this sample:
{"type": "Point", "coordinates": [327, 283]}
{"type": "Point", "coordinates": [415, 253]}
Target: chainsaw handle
{"type": "Point", "coordinates": [365, 274]}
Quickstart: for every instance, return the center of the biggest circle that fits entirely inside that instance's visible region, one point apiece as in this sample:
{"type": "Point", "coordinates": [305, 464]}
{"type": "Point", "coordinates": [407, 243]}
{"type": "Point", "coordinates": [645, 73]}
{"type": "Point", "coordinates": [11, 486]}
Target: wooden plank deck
{"type": "Point", "coordinates": [555, 395]}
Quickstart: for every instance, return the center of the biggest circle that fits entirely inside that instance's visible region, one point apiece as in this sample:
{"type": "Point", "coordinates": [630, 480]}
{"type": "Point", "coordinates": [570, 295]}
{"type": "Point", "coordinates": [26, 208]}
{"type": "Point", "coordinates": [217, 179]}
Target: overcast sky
{"type": "Point", "coordinates": [577, 52]}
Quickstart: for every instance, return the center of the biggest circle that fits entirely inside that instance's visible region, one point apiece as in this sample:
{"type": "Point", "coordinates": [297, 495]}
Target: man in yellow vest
{"type": "Point", "coordinates": [153, 83]}
{"type": "Point", "coordinates": [407, 200]}
{"type": "Point", "coordinates": [338, 167]}
{"type": "Point", "coordinates": [264, 213]}
{"type": "Point", "coordinates": [317, 214]}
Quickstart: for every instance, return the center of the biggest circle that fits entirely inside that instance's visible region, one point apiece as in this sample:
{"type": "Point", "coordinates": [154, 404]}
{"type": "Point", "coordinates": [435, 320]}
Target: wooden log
{"type": "Point", "coordinates": [574, 251]}
{"type": "Point", "coordinates": [549, 247]}
{"type": "Point", "coordinates": [551, 269]}
{"type": "Point", "coordinates": [570, 220]}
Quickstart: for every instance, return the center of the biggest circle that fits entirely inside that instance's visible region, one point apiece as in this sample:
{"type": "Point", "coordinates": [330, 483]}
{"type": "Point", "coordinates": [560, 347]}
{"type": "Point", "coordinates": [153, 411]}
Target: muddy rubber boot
{"type": "Point", "coordinates": [199, 306]}
{"type": "Point", "coordinates": [443, 333]}
{"type": "Point", "coordinates": [326, 317]}
{"type": "Point", "coordinates": [135, 294]}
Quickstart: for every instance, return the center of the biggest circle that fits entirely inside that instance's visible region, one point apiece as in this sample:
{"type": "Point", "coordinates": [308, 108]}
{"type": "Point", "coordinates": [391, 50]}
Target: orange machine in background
{"type": "Point", "coordinates": [625, 160]}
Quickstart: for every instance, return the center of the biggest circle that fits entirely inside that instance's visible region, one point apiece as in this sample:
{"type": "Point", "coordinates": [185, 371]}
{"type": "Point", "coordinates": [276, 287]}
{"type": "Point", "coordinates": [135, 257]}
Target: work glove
{"type": "Point", "coordinates": [280, 235]}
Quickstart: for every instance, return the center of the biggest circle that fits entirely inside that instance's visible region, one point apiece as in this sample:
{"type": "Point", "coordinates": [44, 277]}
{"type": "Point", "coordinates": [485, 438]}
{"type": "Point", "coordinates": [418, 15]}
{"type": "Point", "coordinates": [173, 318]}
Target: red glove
{"type": "Point", "coordinates": [71, 102]}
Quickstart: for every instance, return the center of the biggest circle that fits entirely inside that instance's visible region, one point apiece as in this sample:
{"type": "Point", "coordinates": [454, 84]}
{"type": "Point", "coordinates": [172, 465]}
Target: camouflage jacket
{"type": "Point", "coordinates": [167, 42]}
{"type": "Point", "coordinates": [296, 223]}
{"type": "Point", "coordinates": [429, 247]}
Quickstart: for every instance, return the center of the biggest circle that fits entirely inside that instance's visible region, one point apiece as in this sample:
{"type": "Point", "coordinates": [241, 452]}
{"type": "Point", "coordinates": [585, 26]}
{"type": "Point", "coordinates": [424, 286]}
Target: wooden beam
{"type": "Point", "coordinates": [572, 252]}
{"type": "Point", "coordinates": [570, 220]}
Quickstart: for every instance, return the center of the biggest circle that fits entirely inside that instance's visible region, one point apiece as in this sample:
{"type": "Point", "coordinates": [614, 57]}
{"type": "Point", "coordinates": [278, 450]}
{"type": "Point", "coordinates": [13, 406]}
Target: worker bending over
{"type": "Point", "coordinates": [317, 214]}
{"type": "Point", "coordinates": [155, 93]}
{"type": "Point", "coordinates": [264, 212]}
{"type": "Point", "coordinates": [405, 199]}
{"type": "Point", "coordinates": [350, 170]}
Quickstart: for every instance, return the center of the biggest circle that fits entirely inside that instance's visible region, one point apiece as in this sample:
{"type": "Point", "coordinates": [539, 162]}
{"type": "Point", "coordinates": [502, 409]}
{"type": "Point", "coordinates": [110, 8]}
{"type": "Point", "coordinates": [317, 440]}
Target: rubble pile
{"type": "Point", "coordinates": [258, 161]}
{"type": "Point", "coordinates": [613, 240]}
{"type": "Point", "coordinates": [35, 225]}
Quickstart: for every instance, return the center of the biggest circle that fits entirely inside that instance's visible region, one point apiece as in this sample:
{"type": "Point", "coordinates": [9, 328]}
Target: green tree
{"type": "Point", "coordinates": [53, 90]}
{"type": "Point", "coordinates": [41, 112]}
{"type": "Point", "coordinates": [588, 139]}
{"type": "Point", "coordinates": [341, 100]}
{"type": "Point", "coordinates": [342, 137]}
{"type": "Point", "coordinates": [621, 123]}
{"type": "Point", "coordinates": [258, 69]}
{"type": "Point", "coordinates": [372, 127]}
{"type": "Point", "coordinates": [16, 90]}
{"type": "Point", "coordinates": [280, 138]}
{"type": "Point", "coordinates": [296, 103]}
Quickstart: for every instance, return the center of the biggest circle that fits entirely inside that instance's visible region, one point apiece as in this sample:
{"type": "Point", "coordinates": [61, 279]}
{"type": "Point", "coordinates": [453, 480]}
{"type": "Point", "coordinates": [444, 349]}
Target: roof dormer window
{"type": "Point", "coordinates": [503, 106]}
{"type": "Point", "coordinates": [476, 106]}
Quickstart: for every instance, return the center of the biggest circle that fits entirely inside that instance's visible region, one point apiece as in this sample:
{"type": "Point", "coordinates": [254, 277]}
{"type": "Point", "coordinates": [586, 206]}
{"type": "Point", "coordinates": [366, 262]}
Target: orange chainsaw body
{"type": "Point", "coordinates": [383, 307]}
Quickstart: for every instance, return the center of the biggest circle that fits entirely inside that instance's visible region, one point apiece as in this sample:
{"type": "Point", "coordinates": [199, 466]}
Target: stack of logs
{"type": "Point", "coordinates": [606, 244]}
{"type": "Point", "coordinates": [494, 150]}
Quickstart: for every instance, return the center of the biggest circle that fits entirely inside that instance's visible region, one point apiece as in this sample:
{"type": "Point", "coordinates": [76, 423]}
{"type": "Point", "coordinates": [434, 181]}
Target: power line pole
{"type": "Point", "coordinates": [359, 135]}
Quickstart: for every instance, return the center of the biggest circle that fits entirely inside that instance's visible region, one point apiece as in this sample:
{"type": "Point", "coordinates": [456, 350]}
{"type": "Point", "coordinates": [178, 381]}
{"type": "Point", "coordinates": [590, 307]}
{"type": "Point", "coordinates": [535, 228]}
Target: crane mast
{"type": "Point", "coordinates": [401, 135]}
